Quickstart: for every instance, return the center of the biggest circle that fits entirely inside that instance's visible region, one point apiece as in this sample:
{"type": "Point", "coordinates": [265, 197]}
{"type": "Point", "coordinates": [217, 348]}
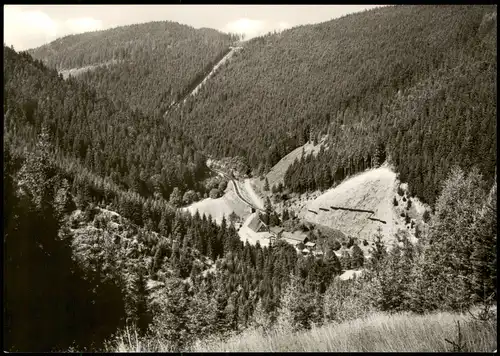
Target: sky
{"type": "Point", "coordinates": [30, 26]}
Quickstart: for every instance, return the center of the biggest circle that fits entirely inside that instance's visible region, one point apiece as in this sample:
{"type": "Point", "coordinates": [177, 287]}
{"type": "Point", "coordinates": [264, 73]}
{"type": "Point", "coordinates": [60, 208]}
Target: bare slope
{"type": "Point", "coordinates": [219, 207]}
{"type": "Point", "coordinates": [248, 192]}
{"type": "Point", "coordinates": [370, 190]}
{"type": "Point", "coordinates": [277, 173]}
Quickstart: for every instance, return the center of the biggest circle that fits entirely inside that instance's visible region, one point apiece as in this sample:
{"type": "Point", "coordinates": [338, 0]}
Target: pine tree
{"type": "Point", "coordinates": [345, 260]}
{"type": "Point", "coordinates": [170, 310]}
{"type": "Point", "coordinates": [447, 262]}
{"type": "Point", "coordinates": [260, 319]}
{"type": "Point", "coordinates": [358, 258]}
{"type": "Point", "coordinates": [378, 253]}
{"type": "Point", "coordinates": [287, 313]}
{"type": "Point", "coordinates": [202, 313]}
{"type": "Point", "coordinates": [266, 185]}
{"type": "Point", "coordinates": [176, 197]}
{"type": "Point", "coordinates": [483, 257]}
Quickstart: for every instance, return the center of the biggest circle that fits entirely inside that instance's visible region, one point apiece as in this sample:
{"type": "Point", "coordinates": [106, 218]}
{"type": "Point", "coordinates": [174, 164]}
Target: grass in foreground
{"type": "Point", "coordinates": [376, 333]}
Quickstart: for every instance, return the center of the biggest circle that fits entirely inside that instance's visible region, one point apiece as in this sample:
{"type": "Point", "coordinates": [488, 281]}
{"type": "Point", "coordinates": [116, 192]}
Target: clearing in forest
{"type": "Point", "coordinates": [371, 190]}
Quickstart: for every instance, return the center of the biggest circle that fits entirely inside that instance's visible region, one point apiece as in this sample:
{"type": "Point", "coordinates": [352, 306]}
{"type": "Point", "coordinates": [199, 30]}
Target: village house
{"type": "Point", "coordinates": [257, 225]}
{"type": "Point", "coordinates": [310, 245]}
{"type": "Point", "coordinates": [277, 231]}
{"type": "Point", "coordinates": [294, 238]}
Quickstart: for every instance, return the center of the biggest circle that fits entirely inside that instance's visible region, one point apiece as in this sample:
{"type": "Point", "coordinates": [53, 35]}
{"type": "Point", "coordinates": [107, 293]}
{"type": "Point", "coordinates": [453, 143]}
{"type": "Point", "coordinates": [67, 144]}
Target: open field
{"type": "Point", "coordinates": [219, 207]}
{"type": "Point", "coordinates": [371, 190]}
{"type": "Point", "coordinates": [77, 71]}
{"type": "Point", "coordinates": [378, 332]}
{"type": "Point", "coordinates": [228, 203]}
{"type": "Point", "coordinates": [277, 173]}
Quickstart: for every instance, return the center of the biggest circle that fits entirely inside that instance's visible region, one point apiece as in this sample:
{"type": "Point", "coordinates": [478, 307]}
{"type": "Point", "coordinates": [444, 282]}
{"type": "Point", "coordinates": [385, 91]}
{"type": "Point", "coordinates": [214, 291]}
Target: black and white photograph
{"type": "Point", "coordinates": [249, 178]}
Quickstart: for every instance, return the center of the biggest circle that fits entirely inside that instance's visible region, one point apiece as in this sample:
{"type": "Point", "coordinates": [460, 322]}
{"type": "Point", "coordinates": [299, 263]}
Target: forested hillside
{"type": "Point", "coordinates": [151, 64]}
{"type": "Point", "coordinates": [114, 273]}
{"type": "Point", "coordinates": [413, 83]}
{"type": "Point", "coordinates": [98, 256]}
{"type": "Point", "coordinates": [143, 153]}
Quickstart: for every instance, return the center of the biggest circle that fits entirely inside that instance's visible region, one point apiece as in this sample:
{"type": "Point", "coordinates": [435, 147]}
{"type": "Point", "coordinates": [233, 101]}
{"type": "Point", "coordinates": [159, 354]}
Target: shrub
{"type": "Point", "coordinates": [395, 202]}
{"type": "Point", "coordinates": [350, 242]}
{"type": "Point", "coordinates": [189, 197]}
{"type": "Point", "coordinates": [223, 185]}
{"type": "Point", "coordinates": [426, 216]}
{"type": "Point", "coordinates": [417, 232]}
{"type": "Point", "coordinates": [214, 193]}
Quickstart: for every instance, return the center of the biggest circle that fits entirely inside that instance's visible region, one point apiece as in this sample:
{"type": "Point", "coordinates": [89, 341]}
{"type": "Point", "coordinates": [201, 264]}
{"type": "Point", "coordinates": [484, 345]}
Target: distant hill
{"type": "Point", "coordinates": [415, 84]}
{"type": "Point", "coordinates": [150, 65]}
{"type": "Point", "coordinates": [135, 151]}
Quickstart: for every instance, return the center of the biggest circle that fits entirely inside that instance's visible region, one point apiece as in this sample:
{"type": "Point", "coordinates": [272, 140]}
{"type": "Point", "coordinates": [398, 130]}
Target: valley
{"type": "Point", "coordinates": [170, 188]}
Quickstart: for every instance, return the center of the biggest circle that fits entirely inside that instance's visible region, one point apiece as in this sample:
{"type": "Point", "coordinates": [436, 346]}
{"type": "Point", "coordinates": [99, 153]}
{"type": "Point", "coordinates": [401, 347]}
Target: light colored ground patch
{"type": "Point", "coordinates": [277, 173]}
{"type": "Point", "coordinates": [350, 273]}
{"type": "Point", "coordinates": [248, 192]}
{"type": "Point", "coordinates": [219, 207]}
{"type": "Point", "coordinates": [370, 190]}
{"type": "Point", "coordinates": [77, 71]}
{"type": "Point", "coordinates": [247, 234]}
{"type": "Point", "coordinates": [214, 69]}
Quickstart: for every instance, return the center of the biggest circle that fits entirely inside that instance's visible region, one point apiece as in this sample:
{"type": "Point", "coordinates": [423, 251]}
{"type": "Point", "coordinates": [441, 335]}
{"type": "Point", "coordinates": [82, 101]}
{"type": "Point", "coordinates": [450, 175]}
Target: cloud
{"type": "Point", "coordinates": [254, 28]}
{"type": "Point", "coordinates": [250, 28]}
{"type": "Point", "coordinates": [23, 29]}
{"type": "Point", "coordinates": [83, 24]}
{"type": "Point", "coordinates": [283, 25]}
{"type": "Point", "coordinates": [32, 28]}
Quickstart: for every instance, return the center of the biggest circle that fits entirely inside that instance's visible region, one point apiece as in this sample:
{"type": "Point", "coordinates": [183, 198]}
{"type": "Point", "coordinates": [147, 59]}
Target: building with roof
{"type": "Point", "coordinates": [277, 231]}
{"type": "Point", "coordinates": [294, 238]}
{"type": "Point", "coordinates": [310, 245]}
{"type": "Point", "coordinates": [257, 225]}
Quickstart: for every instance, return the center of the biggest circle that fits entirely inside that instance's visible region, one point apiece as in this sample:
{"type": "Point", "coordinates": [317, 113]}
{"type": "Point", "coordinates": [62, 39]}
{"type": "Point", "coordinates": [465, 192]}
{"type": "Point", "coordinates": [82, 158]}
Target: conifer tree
{"type": "Point", "coordinates": [266, 185]}
{"type": "Point", "coordinates": [358, 258]}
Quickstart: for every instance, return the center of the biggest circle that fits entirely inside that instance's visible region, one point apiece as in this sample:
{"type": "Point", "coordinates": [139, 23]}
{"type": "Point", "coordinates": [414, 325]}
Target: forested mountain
{"type": "Point", "coordinates": [413, 83]}
{"type": "Point", "coordinates": [143, 153]}
{"type": "Point", "coordinates": [73, 278]}
{"type": "Point", "coordinates": [100, 264]}
{"type": "Point", "coordinates": [93, 248]}
{"type": "Point", "coordinates": [150, 65]}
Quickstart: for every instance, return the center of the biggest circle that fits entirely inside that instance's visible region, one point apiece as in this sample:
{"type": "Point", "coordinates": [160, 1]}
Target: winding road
{"type": "Point", "coordinates": [237, 189]}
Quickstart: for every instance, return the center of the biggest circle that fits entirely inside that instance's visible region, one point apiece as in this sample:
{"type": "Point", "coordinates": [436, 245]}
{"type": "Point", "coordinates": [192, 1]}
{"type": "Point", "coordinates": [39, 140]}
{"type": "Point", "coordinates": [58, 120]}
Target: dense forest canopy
{"type": "Point", "coordinates": [95, 247]}
{"type": "Point", "coordinates": [144, 66]}
{"type": "Point", "coordinates": [143, 153]}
